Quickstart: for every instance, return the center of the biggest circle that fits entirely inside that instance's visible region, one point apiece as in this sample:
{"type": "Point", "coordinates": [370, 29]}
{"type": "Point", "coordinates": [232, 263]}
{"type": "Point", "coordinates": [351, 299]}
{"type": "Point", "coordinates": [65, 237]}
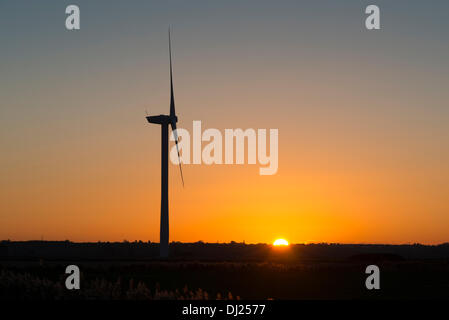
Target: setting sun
{"type": "Point", "coordinates": [280, 242]}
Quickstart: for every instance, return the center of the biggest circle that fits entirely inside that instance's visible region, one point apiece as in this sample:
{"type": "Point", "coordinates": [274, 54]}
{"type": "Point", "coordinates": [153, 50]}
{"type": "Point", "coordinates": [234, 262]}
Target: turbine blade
{"type": "Point", "coordinates": [175, 134]}
{"type": "Point", "coordinates": [172, 95]}
{"type": "Point", "coordinates": [180, 170]}
{"type": "Point", "coordinates": [172, 107]}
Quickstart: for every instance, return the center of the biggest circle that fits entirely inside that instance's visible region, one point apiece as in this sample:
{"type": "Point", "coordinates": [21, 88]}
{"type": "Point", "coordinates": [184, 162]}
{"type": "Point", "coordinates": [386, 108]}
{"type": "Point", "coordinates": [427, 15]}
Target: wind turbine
{"type": "Point", "coordinates": [164, 121]}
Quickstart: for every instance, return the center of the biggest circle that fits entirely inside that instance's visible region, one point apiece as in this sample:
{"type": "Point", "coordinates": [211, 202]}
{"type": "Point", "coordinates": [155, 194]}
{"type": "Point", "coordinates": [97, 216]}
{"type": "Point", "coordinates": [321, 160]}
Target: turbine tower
{"type": "Point", "coordinates": [164, 121]}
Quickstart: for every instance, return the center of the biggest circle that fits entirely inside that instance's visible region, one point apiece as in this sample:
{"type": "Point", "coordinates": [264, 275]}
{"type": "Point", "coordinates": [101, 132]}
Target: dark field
{"type": "Point", "coordinates": [35, 270]}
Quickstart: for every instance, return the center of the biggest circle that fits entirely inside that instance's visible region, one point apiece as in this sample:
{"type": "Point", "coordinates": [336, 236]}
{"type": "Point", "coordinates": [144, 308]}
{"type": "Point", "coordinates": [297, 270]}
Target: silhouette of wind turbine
{"type": "Point", "coordinates": [165, 120]}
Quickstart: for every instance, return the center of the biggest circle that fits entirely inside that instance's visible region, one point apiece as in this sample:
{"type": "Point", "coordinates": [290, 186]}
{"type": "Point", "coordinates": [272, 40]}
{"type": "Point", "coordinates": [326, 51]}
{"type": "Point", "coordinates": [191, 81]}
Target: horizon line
{"type": "Point", "coordinates": [233, 242]}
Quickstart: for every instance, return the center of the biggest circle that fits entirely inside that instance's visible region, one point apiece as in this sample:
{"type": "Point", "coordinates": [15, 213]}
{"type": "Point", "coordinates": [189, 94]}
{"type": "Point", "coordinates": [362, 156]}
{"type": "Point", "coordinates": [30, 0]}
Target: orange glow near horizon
{"type": "Point", "coordinates": [310, 199]}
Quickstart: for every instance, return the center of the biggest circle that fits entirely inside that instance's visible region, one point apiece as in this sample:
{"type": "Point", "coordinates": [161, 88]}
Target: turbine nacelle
{"type": "Point", "coordinates": [162, 119]}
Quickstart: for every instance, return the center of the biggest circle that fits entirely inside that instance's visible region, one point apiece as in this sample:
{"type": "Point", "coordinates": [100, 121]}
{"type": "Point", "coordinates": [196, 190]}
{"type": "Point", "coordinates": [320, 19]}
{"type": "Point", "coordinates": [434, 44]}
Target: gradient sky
{"type": "Point", "coordinates": [362, 117]}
